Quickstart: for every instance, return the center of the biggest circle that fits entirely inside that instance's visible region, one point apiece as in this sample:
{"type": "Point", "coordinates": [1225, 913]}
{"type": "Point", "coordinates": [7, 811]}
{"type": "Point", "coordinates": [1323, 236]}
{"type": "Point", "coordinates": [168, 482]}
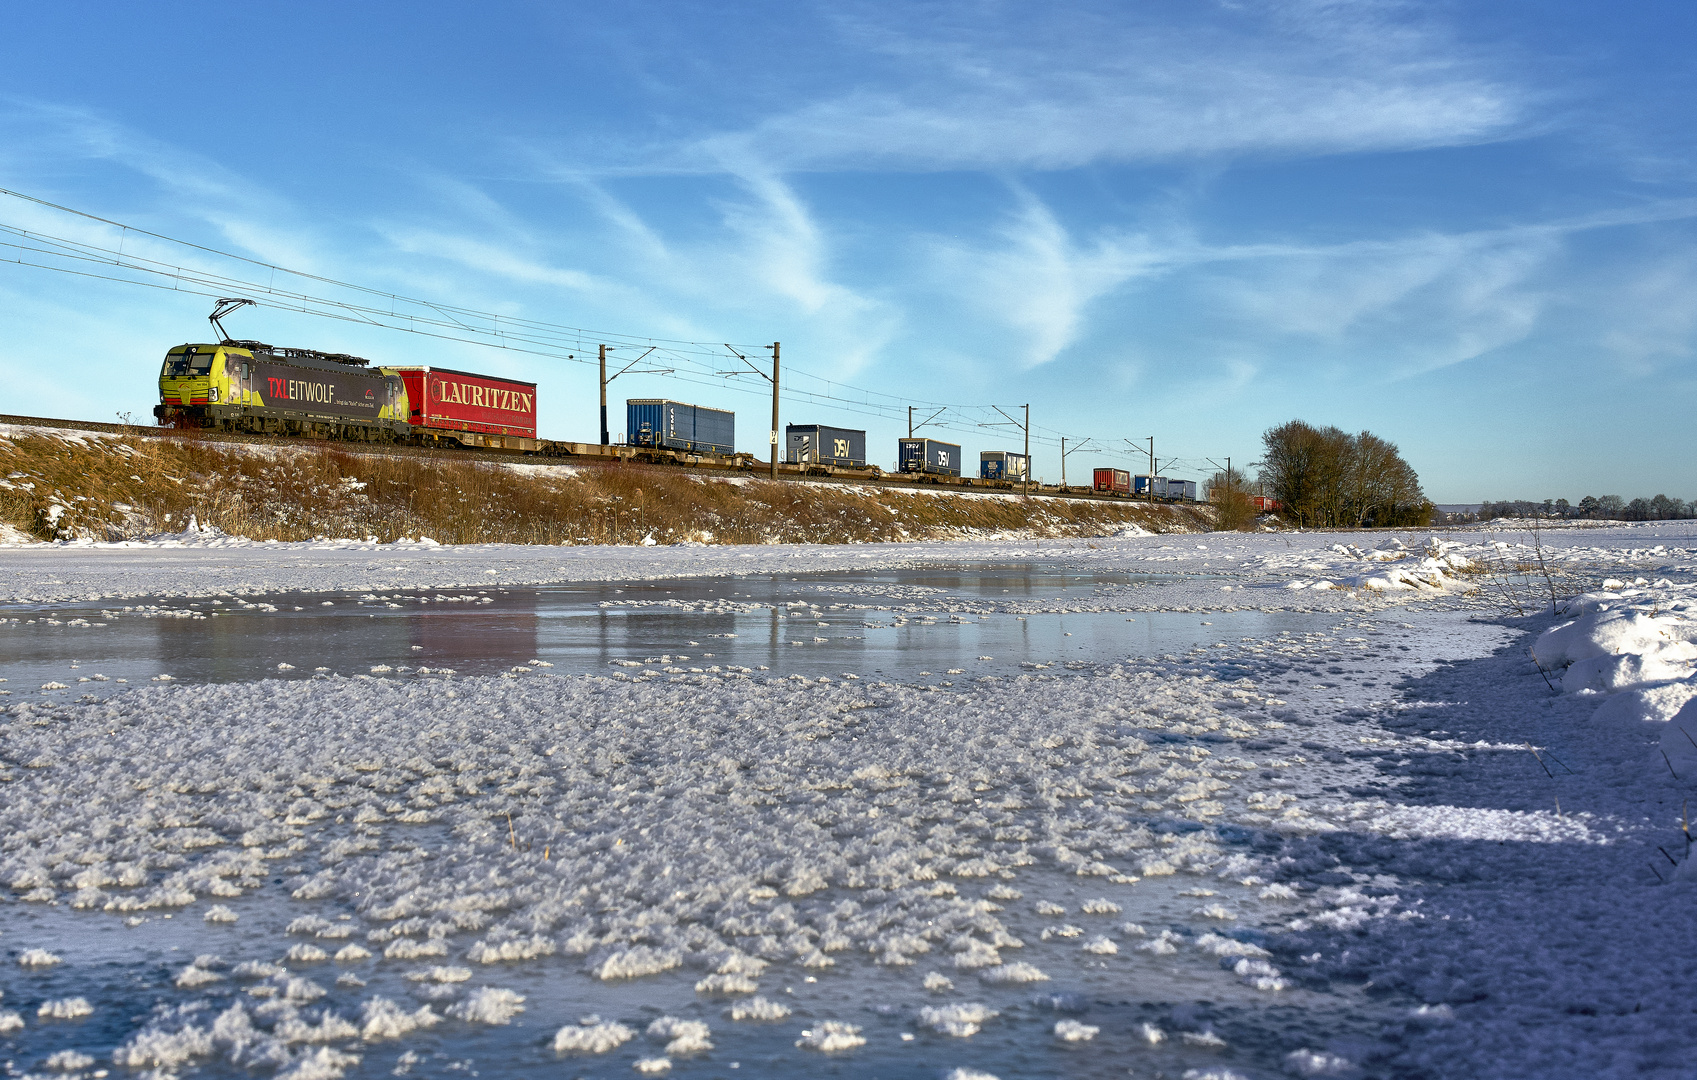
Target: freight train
{"type": "Point", "coordinates": [255, 388]}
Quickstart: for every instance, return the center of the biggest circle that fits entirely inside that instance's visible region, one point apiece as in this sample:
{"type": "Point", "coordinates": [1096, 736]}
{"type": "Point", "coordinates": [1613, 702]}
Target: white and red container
{"type": "Point", "coordinates": [451, 400]}
{"type": "Point", "coordinates": [1113, 481]}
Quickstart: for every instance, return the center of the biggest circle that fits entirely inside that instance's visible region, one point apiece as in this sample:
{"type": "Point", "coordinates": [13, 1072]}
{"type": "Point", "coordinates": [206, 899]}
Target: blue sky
{"type": "Point", "coordinates": [1468, 228]}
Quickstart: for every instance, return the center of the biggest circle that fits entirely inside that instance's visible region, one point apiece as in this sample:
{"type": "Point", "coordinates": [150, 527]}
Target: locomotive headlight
{"type": "Point", "coordinates": [213, 394]}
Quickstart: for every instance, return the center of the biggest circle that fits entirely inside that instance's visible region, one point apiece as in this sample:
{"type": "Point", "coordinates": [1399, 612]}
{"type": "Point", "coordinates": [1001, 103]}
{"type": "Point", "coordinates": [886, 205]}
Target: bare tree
{"type": "Point", "coordinates": [1234, 508]}
{"type": "Point", "coordinates": [1328, 477]}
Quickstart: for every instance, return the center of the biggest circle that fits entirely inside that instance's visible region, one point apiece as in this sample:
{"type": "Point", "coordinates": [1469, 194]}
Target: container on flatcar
{"type": "Point", "coordinates": [450, 400]}
{"type": "Point", "coordinates": [1182, 489]}
{"type": "Point", "coordinates": [1003, 465]}
{"type": "Point", "coordinates": [928, 456]}
{"type": "Point", "coordinates": [1154, 487]}
{"type": "Point", "coordinates": [816, 444]}
{"type": "Point", "coordinates": [1266, 505]}
{"type": "Point", "coordinates": [1117, 481]}
{"type": "Point", "coordinates": [674, 425]}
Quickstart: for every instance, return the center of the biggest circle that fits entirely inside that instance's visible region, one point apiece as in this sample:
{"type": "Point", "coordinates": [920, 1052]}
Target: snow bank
{"type": "Point", "coordinates": [1623, 640]}
{"type": "Point", "coordinates": [1391, 567]}
{"type": "Point", "coordinates": [1633, 647]}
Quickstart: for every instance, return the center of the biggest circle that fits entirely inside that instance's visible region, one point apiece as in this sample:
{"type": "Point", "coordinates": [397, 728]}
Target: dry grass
{"type": "Point", "coordinates": [110, 488]}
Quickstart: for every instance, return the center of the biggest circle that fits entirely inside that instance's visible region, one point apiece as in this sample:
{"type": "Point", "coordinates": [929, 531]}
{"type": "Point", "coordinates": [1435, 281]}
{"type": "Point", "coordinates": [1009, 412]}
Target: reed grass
{"type": "Point", "coordinates": [58, 486]}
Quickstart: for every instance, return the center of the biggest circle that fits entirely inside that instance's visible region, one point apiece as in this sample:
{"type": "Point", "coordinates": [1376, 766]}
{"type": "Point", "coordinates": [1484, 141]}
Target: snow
{"type": "Point", "coordinates": [382, 1018]}
{"type": "Point", "coordinates": [681, 1036]}
{"type": "Point", "coordinates": [961, 1021]}
{"type": "Point", "coordinates": [1397, 802]}
{"type": "Point", "coordinates": [1302, 571]}
{"type": "Point", "coordinates": [68, 1061]}
{"type": "Point", "coordinates": [1315, 1063]}
{"type": "Point", "coordinates": [759, 1008]}
{"type": "Point", "coordinates": [488, 1005]}
{"type": "Point", "coordinates": [596, 1038]}
{"type": "Point", "coordinates": [323, 1063]}
{"type": "Point", "coordinates": [1632, 648]}
{"type": "Point", "coordinates": [1019, 972]}
{"type": "Point", "coordinates": [65, 1009]}
{"type": "Point", "coordinates": [831, 1036]}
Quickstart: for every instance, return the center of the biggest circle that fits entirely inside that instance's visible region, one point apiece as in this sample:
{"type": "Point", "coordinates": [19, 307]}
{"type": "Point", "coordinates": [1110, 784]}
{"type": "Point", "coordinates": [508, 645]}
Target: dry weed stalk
{"type": "Point", "coordinates": [118, 488]}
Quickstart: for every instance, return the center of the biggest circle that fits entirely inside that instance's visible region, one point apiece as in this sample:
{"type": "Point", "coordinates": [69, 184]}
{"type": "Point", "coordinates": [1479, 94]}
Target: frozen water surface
{"type": "Point", "coordinates": [1216, 837]}
{"type": "Point", "coordinates": [895, 623]}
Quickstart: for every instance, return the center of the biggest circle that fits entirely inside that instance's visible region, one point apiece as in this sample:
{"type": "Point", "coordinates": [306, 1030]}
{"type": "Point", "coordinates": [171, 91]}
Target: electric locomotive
{"type": "Point", "coordinates": [254, 387]}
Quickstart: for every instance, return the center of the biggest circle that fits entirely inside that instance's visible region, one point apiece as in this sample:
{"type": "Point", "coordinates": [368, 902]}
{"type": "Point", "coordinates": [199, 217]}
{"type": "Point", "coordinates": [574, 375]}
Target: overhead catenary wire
{"type": "Point", "coordinates": [693, 362]}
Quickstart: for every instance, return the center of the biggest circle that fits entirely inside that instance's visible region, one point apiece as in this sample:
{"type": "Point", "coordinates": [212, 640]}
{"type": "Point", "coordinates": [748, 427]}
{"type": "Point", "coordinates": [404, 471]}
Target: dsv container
{"type": "Point", "coordinates": [673, 425]}
{"type": "Point", "coordinates": [816, 444]}
{"type": "Point", "coordinates": [928, 456]}
{"type": "Point", "coordinates": [1003, 465]}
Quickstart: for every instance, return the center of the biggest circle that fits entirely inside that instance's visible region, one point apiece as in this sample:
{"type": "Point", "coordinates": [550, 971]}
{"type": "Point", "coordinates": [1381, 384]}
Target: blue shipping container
{"type": "Point", "coordinates": [816, 444]}
{"type": "Point", "coordinates": [1002, 465]}
{"type": "Point", "coordinates": [928, 456]}
{"type": "Point", "coordinates": [1155, 486]}
{"type": "Point", "coordinates": [673, 425]}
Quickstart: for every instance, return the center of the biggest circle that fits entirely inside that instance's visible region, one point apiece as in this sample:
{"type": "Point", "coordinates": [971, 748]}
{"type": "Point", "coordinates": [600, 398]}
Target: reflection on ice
{"type": "Point", "coordinates": [949, 628]}
{"type": "Point", "coordinates": [904, 825]}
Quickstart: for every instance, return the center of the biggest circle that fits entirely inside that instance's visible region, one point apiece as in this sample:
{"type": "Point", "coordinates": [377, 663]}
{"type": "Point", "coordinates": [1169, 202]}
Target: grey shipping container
{"type": "Point", "coordinates": [1003, 465]}
{"type": "Point", "coordinates": [928, 456]}
{"type": "Point", "coordinates": [1182, 489]}
{"type": "Point", "coordinates": [673, 425]}
{"type": "Point", "coordinates": [1155, 486]}
{"type": "Point", "coordinates": [816, 444]}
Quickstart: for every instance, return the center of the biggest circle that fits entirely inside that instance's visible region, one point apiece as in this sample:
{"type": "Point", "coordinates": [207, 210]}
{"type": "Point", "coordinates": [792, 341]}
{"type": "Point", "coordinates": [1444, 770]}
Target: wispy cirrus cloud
{"type": "Point", "coordinates": [48, 137]}
{"type": "Point", "coordinates": [1384, 309]}
{"type": "Point", "coordinates": [1038, 280]}
{"type": "Point", "coordinates": [1089, 84]}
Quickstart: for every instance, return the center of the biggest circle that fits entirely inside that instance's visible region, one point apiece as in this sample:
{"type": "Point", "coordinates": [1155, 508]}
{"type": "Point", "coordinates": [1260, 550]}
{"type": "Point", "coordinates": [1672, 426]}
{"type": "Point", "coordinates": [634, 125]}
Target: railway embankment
{"type": "Point", "coordinates": [60, 484]}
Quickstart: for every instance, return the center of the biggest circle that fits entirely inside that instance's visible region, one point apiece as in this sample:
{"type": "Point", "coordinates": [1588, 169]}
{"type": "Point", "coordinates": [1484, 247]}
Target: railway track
{"type": "Point", "coordinates": [595, 456]}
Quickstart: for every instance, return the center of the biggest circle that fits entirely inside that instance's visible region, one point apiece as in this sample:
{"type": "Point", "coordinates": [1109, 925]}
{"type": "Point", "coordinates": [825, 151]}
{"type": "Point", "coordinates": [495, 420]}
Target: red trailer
{"type": "Point", "coordinates": [1117, 481]}
{"type": "Point", "coordinates": [460, 401]}
{"type": "Point", "coordinates": [1266, 505]}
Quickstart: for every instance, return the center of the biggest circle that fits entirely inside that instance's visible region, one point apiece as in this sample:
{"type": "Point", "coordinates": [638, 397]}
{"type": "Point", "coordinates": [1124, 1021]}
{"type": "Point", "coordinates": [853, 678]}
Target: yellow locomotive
{"type": "Point", "coordinates": [254, 387]}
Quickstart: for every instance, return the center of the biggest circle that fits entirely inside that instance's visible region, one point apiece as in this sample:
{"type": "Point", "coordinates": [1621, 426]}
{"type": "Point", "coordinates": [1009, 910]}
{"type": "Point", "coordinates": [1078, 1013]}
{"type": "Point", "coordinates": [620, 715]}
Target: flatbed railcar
{"type": "Point", "coordinates": [253, 388]}
{"type": "Point", "coordinates": [481, 410]}
{"type": "Point", "coordinates": [1112, 481]}
{"type": "Point", "coordinates": [929, 457]}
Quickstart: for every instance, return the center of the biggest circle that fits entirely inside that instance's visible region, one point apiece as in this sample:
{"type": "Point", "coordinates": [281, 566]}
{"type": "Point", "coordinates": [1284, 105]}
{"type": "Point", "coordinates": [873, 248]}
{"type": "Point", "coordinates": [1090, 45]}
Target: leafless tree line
{"type": "Point", "coordinates": [1329, 478]}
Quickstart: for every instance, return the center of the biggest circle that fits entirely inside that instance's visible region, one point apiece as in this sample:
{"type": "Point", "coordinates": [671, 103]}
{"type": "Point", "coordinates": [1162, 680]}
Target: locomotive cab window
{"type": "Point", "coordinates": [195, 363]}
